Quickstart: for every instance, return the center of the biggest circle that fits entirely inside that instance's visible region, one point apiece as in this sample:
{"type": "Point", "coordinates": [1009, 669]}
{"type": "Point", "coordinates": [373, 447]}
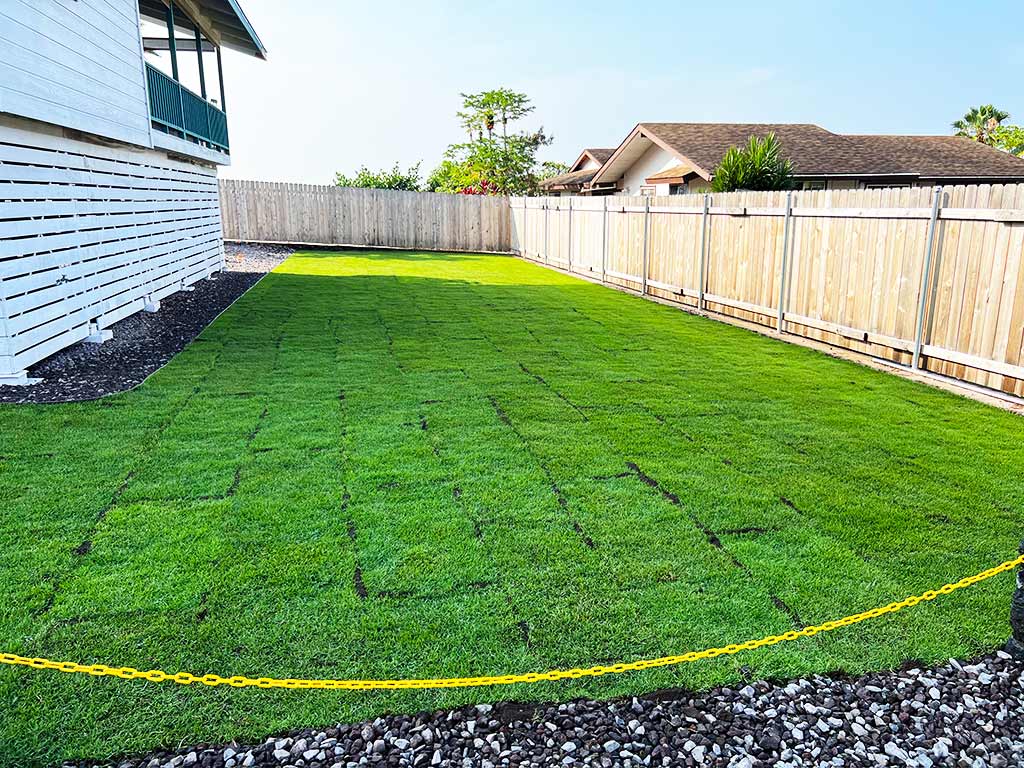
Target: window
{"type": "Point", "coordinates": [809, 185]}
{"type": "Point", "coordinates": [884, 185]}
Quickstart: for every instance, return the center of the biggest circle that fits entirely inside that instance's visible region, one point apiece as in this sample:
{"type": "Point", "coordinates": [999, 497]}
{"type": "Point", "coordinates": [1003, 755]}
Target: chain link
{"type": "Point", "coordinates": [240, 681]}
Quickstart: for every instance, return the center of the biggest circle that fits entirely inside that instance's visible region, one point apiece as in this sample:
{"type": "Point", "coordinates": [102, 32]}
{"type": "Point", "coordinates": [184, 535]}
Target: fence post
{"type": "Point", "coordinates": [1016, 645]}
{"type": "Point", "coordinates": [703, 252]}
{"type": "Point", "coordinates": [604, 239]}
{"type": "Point", "coordinates": [647, 226]}
{"type": "Point", "coordinates": [570, 235]}
{"type": "Point", "coordinates": [922, 302]}
{"type": "Point", "coordinates": [784, 272]}
{"type": "Point", "coordinates": [545, 230]}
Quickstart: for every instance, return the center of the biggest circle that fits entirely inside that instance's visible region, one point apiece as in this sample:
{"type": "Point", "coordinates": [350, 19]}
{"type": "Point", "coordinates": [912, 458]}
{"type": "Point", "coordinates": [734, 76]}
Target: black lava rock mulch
{"type": "Point", "coordinates": [144, 342]}
{"type": "Point", "coordinates": [969, 715]}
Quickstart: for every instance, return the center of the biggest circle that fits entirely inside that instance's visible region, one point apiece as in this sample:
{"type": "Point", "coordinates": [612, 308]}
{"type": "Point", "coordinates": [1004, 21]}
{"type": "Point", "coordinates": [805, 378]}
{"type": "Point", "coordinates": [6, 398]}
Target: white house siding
{"type": "Point", "coordinates": [76, 64]}
{"type": "Point", "coordinates": [653, 161]}
{"type": "Point", "coordinates": [121, 227]}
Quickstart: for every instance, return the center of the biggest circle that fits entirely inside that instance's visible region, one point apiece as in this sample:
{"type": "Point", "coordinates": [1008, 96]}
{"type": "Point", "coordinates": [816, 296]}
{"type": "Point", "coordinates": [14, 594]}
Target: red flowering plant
{"type": "Point", "coordinates": [482, 187]}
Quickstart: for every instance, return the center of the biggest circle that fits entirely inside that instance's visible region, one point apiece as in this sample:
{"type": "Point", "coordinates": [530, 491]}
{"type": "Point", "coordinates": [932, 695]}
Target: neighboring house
{"type": "Point", "coordinates": [676, 158]}
{"type": "Point", "coordinates": [108, 162]}
{"type": "Point", "coordinates": [579, 174]}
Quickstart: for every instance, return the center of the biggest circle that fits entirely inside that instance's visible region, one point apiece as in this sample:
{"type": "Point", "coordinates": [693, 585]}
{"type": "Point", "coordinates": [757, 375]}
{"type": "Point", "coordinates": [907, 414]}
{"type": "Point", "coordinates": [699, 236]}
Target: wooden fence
{"type": "Point", "coordinates": [924, 278]}
{"type": "Point", "coordinates": [918, 277]}
{"type": "Point", "coordinates": [328, 215]}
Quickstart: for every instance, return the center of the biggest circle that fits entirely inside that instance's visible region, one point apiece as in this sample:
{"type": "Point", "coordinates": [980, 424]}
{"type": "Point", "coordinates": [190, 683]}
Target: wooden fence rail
{"type": "Point", "coordinates": [925, 278]}
{"type": "Point", "coordinates": [262, 211]}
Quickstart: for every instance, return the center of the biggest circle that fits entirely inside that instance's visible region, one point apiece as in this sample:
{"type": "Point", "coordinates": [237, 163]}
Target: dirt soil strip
{"type": "Point", "coordinates": [145, 342]}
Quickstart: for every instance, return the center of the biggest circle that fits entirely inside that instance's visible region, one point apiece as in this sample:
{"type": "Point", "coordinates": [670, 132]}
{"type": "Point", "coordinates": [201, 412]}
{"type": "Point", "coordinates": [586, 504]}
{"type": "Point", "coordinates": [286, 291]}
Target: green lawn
{"type": "Point", "coordinates": [403, 464]}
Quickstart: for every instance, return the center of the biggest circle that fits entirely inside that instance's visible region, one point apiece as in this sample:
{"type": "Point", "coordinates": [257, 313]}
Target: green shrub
{"type": "Point", "coordinates": [396, 178]}
{"type": "Point", "coordinates": [757, 166]}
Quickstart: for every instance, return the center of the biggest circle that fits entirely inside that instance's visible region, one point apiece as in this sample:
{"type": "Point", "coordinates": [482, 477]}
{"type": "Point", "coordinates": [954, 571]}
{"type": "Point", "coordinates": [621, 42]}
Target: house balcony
{"type": "Point", "coordinates": [181, 39]}
{"type": "Point", "coordinates": [177, 111]}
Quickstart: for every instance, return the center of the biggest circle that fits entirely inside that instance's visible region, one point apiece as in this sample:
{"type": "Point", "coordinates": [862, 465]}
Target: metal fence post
{"type": "Point", "coordinates": [604, 239]}
{"type": "Point", "coordinates": [570, 234]}
{"type": "Point", "coordinates": [1016, 645]}
{"type": "Point", "coordinates": [647, 226]}
{"type": "Point", "coordinates": [784, 271]}
{"type": "Point", "coordinates": [703, 251]}
{"type": "Point", "coordinates": [922, 303]}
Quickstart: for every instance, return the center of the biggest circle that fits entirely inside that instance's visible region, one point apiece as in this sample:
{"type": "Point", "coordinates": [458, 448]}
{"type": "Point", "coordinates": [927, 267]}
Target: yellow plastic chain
{"type": "Point", "coordinates": [239, 681]}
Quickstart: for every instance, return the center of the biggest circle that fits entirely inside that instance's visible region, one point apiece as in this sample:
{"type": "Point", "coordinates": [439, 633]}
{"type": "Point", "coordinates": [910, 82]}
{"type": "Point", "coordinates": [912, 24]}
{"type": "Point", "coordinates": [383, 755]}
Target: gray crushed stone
{"type": "Point", "coordinates": [145, 342]}
{"type": "Point", "coordinates": [254, 257]}
{"type": "Point", "coordinates": [968, 715]}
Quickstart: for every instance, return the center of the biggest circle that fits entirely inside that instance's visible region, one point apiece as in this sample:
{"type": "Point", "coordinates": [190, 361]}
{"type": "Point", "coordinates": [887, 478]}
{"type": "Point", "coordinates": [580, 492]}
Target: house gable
{"type": "Point", "coordinates": [591, 159]}
{"type": "Point", "coordinates": [653, 161]}
{"type": "Point", "coordinates": [634, 147]}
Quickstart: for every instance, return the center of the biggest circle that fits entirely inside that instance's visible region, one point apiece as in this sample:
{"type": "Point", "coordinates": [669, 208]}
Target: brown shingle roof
{"type": "Point", "coordinates": [945, 156]}
{"type": "Point", "coordinates": [601, 155]}
{"type": "Point", "coordinates": [572, 179]}
{"type": "Point", "coordinates": [813, 150]}
{"type": "Point", "coordinates": [598, 155]}
{"type": "Point", "coordinates": [817, 152]}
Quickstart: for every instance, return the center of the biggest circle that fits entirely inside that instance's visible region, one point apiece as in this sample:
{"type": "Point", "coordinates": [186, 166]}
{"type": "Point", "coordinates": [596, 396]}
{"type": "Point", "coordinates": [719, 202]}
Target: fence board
{"type": "Point", "coordinates": [328, 215]}
{"type": "Point", "coordinates": [854, 269]}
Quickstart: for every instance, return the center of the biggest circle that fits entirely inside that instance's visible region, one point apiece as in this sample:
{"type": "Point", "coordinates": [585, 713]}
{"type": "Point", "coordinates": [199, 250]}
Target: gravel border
{"type": "Point", "coordinates": [145, 342]}
{"type": "Point", "coordinates": [969, 715]}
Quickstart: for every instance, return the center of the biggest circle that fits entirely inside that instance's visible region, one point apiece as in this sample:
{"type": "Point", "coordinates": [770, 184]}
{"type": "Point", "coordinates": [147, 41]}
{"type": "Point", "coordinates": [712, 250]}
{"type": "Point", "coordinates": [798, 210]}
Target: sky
{"type": "Point", "coordinates": [348, 83]}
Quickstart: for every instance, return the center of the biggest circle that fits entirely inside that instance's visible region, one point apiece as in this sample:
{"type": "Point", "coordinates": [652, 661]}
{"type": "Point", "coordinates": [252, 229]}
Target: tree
{"type": "Point", "coordinates": [483, 111]}
{"type": "Point", "coordinates": [550, 168]}
{"type": "Point", "coordinates": [979, 122]}
{"type": "Point", "coordinates": [757, 166]}
{"type": "Point", "coordinates": [451, 176]}
{"type": "Point", "coordinates": [1009, 138]}
{"type": "Point", "coordinates": [396, 178]}
{"type": "Point", "coordinates": [493, 161]}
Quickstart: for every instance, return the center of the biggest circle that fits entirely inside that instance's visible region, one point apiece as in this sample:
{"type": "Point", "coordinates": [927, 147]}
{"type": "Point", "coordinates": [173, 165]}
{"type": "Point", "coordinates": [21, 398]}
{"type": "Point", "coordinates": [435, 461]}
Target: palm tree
{"type": "Point", "coordinates": [978, 123]}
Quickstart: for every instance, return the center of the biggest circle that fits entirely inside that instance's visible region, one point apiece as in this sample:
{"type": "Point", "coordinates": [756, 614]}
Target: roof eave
{"type": "Point", "coordinates": [853, 175]}
{"type": "Point", "coordinates": [233, 28]}
{"type": "Point", "coordinates": [704, 173]}
{"type": "Point", "coordinates": [642, 131]}
{"type": "Point", "coordinates": [987, 178]}
{"type": "Point", "coordinates": [260, 50]}
{"type": "Point", "coordinates": [583, 156]}
{"type": "Point", "coordinates": [614, 156]}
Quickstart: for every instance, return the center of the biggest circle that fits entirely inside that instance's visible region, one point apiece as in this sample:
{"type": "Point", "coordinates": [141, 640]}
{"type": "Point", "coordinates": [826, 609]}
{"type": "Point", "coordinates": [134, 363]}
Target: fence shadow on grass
{"type": "Point", "coordinates": [376, 254]}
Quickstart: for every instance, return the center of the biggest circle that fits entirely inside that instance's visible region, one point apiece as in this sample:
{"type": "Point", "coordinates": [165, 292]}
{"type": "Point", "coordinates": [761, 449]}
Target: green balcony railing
{"type": "Point", "coordinates": [174, 107]}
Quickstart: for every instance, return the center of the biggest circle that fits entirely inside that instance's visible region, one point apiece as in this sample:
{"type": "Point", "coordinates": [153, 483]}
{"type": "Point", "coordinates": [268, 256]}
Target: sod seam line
{"type": "Point", "coordinates": [241, 681]}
